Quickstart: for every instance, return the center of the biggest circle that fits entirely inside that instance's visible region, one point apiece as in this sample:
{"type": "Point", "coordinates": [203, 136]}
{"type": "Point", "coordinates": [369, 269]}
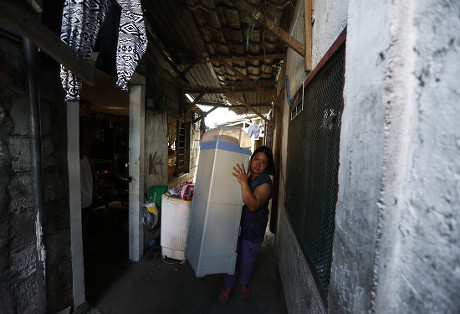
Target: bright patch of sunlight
{"type": "Point", "coordinates": [218, 116]}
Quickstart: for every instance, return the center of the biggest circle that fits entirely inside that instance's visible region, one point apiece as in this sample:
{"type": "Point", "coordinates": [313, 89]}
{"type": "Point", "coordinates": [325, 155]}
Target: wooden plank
{"type": "Point", "coordinates": [308, 35]}
{"type": "Point", "coordinates": [224, 90]}
{"type": "Point", "coordinates": [180, 76]}
{"type": "Point", "coordinates": [205, 114]}
{"type": "Point", "coordinates": [232, 95]}
{"type": "Point", "coordinates": [247, 80]}
{"type": "Point", "coordinates": [285, 37]}
{"type": "Point", "coordinates": [21, 19]}
{"type": "Point", "coordinates": [194, 102]}
{"type": "Point", "coordinates": [273, 27]}
{"type": "Point", "coordinates": [210, 103]}
{"type": "Point", "coordinates": [153, 44]}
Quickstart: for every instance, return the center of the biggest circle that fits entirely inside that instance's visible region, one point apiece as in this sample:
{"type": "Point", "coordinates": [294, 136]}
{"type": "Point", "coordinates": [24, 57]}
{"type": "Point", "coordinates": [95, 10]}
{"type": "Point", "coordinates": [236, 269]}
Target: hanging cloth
{"type": "Point", "coordinates": [132, 40]}
{"type": "Point", "coordinates": [81, 22]}
{"type": "Point", "coordinates": [254, 130]}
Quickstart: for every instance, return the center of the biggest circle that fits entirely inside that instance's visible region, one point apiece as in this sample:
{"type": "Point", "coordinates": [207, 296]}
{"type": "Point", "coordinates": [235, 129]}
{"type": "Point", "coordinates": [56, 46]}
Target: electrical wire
{"type": "Point", "coordinates": [255, 17]}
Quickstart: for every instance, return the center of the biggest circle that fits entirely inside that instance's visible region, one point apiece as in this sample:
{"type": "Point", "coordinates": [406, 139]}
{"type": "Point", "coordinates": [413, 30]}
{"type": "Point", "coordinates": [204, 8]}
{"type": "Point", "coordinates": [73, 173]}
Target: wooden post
{"type": "Point", "coordinates": [308, 35]}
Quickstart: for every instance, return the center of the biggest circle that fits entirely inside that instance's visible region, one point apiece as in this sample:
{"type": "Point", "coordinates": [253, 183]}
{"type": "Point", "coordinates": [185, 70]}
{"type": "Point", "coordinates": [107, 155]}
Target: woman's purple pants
{"type": "Point", "coordinates": [247, 253]}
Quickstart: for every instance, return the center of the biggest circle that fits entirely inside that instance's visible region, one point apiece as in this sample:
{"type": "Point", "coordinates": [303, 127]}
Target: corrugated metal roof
{"type": "Point", "coordinates": [193, 34]}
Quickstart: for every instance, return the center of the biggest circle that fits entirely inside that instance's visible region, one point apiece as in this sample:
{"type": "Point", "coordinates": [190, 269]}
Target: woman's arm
{"type": "Point", "coordinates": [253, 200]}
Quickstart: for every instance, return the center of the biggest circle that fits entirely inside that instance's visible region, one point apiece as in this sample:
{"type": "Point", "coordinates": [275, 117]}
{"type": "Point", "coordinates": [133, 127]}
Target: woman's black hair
{"type": "Point", "coordinates": [268, 152]}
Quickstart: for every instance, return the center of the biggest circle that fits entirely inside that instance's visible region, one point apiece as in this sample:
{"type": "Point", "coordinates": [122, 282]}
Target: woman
{"type": "Point", "coordinates": [256, 189]}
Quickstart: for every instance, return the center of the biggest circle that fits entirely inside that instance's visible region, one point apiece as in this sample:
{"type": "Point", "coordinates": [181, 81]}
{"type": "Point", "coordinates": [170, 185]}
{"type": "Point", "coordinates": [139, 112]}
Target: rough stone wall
{"type": "Point", "coordinates": [17, 212]}
{"type": "Point", "coordinates": [56, 192]}
{"type": "Point", "coordinates": [300, 290]}
{"type": "Point", "coordinates": [396, 242]}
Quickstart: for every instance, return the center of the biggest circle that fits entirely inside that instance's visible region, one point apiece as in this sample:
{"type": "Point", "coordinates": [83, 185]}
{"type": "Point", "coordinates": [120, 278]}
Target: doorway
{"type": "Point", "coordinates": [104, 142]}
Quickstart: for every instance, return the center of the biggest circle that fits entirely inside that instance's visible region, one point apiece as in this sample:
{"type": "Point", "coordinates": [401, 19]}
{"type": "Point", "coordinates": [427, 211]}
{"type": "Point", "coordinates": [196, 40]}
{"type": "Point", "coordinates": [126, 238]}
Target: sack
{"type": "Point", "coordinates": [155, 192]}
{"type": "Point", "coordinates": [186, 191]}
{"type": "Point", "coordinates": [183, 190]}
{"type": "Point", "coordinates": [150, 213]}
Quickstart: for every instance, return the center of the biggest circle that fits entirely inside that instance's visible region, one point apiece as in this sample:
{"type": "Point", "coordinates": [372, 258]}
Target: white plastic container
{"type": "Point", "coordinates": [217, 202]}
{"type": "Point", "coordinates": [175, 216]}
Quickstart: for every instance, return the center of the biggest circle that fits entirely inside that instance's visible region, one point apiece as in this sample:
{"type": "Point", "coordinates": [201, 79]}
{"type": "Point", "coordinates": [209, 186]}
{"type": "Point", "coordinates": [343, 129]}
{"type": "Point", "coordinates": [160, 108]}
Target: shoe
{"type": "Point", "coordinates": [245, 293]}
{"type": "Point", "coordinates": [225, 295]}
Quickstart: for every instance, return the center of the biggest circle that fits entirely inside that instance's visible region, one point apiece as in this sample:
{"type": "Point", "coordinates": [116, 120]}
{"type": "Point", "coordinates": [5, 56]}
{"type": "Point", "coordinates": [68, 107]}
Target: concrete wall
{"type": "Point", "coordinates": [156, 157]}
{"type": "Point", "coordinates": [396, 243]}
{"type": "Point", "coordinates": [18, 289]}
{"type": "Point", "coordinates": [300, 290]}
{"type": "Point", "coordinates": [156, 148]}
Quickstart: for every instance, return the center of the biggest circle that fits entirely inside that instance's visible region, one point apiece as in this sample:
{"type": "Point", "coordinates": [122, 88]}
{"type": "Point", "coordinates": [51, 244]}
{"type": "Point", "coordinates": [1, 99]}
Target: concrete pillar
{"type": "Point", "coordinates": [76, 240]}
{"type": "Point", "coordinates": [136, 165]}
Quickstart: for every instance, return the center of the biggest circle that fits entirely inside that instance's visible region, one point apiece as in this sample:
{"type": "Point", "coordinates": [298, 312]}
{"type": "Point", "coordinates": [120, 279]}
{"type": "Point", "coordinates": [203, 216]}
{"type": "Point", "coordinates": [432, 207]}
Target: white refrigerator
{"type": "Point", "coordinates": [217, 202]}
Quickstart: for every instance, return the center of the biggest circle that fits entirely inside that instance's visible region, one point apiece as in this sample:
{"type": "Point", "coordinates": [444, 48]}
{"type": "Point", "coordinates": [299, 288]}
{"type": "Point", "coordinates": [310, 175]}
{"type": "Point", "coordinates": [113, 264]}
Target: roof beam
{"type": "Point", "coordinates": [272, 27]}
{"type": "Point", "coordinates": [197, 99]}
{"type": "Point", "coordinates": [154, 44]}
{"type": "Point", "coordinates": [205, 113]}
{"type": "Point", "coordinates": [227, 89]}
{"type": "Point", "coordinates": [232, 95]}
{"type": "Point", "coordinates": [181, 76]}
{"type": "Point", "coordinates": [210, 103]}
{"type": "Point", "coordinates": [247, 80]}
{"type": "Point", "coordinates": [233, 59]}
{"type": "Point", "coordinates": [22, 20]}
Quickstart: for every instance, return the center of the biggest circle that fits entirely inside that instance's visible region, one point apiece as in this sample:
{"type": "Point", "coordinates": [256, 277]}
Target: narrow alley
{"type": "Point", "coordinates": [154, 285]}
{"type": "Point", "coordinates": [350, 109]}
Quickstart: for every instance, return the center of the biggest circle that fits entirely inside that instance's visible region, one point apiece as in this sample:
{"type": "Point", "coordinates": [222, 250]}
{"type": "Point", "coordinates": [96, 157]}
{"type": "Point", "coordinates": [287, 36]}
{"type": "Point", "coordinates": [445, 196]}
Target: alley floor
{"type": "Point", "coordinates": [157, 285]}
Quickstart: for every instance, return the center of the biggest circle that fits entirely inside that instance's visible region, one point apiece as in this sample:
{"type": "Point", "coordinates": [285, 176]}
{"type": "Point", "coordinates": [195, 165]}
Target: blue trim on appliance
{"type": "Point", "coordinates": [224, 145]}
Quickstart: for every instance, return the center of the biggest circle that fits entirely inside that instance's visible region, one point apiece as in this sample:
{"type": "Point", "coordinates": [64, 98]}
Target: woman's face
{"type": "Point", "coordinates": [259, 163]}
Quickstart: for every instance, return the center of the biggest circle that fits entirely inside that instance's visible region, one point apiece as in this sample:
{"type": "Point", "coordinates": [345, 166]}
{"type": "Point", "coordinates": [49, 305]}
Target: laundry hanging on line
{"type": "Point", "coordinates": [81, 22]}
{"type": "Point", "coordinates": [254, 131]}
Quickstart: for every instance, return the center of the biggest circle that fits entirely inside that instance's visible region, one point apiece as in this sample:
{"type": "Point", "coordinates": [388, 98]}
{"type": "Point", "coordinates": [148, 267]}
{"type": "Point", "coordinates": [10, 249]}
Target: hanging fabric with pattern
{"type": "Point", "coordinates": [81, 22]}
{"type": "Point", "coordinates": [132, 40]}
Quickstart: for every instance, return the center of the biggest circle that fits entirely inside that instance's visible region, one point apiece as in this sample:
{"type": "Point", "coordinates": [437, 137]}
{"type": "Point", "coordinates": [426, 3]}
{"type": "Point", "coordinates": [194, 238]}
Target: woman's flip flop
{"type": "Point", "coordinates": [224, 296]}
{"type": "Point", "coordinates": [245, 293]}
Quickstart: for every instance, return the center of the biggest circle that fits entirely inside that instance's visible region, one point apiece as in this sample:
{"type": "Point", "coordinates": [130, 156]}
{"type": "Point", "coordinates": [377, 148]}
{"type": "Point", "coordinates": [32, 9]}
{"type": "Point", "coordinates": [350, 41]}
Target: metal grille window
{"type": "Point", "coordinates": [314, 154]}
{"type": "Point", "coordinates": [182, 148]}
{"type": "Point", "coordinates": [178, 148]}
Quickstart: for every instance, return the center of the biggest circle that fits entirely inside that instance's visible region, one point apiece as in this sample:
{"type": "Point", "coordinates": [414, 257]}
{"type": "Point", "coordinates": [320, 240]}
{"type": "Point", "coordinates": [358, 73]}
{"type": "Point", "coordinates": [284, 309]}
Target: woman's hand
{"type": "Point", "coordinates": [240, 173]}
{"type": "Point", "coordinates": [253, 200]}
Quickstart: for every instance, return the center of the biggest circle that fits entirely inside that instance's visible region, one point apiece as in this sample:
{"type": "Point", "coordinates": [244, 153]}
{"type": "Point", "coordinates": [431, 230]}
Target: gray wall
{"type": "Point", "coordinates": [156, 148]}
{"type": "Point", "coordinates": [300, 290]}
{"type": "Point", "coordinates": [396, 244]}
{"type": "Point", "coordinates": [396, 239]}
{"type": "Point", "coordinates": [156, 156]}
{"type": "Point", "coordinates": [17, 212]}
